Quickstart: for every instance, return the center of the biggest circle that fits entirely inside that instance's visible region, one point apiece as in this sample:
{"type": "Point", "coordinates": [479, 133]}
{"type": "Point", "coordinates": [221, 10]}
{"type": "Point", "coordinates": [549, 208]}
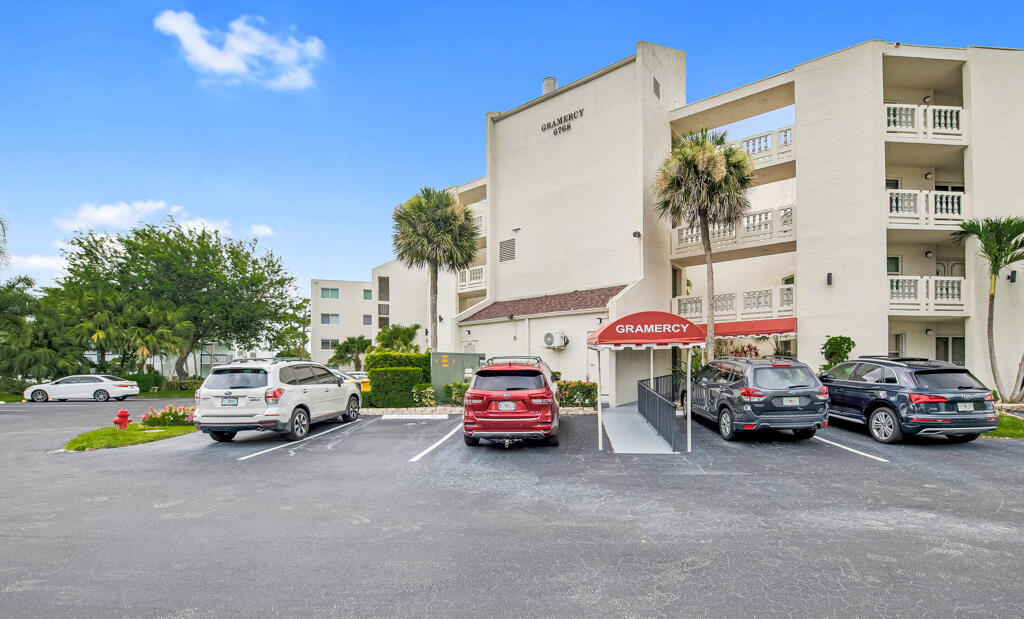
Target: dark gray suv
{"type": "Point", "coordinates": [741, 394]}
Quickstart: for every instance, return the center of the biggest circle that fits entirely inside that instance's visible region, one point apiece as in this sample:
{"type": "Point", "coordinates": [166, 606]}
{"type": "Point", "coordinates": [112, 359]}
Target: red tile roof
{"type": "Point", "coordinates": [563, 302]}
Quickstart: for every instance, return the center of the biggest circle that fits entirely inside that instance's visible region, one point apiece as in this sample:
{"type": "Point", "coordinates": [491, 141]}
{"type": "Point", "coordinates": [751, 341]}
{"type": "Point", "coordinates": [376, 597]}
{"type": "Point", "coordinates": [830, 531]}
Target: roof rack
{"type": "Point", "coordinates": [894, 358]}
{"type": "Point", "coordinates": [510, 358]}
{"type": "Point", "coordinates": [265, 360]}
{"type": "Point", "coordinates": [786, 357]}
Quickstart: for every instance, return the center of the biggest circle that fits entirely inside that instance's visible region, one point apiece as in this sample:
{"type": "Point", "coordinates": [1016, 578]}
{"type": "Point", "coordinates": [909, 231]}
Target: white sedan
{"type": "Point", "coordinates": [83, 387]}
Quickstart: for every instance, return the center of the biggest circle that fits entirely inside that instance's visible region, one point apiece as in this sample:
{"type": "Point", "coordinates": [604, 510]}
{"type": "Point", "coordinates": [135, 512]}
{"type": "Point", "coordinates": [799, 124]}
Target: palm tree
{"type": "Point", "coordinates": [433, 230]}
{"type": "Point", "coordinates": [156, 330]}
{"type": "Point", "coordinates": [349, 351]}
{"type": "Point", "coordinates": [703, 181]}
{"type": "Point", "coordinates": [396, 338]}
{"type": "Point", "coordinates": [1001, 243]}
{"type": "Point", "coordinates": [3, 240]}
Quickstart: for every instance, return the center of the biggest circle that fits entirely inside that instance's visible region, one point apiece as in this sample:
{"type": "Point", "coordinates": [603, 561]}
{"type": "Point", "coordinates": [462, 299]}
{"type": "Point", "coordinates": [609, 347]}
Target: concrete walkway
{"type": "Point", "coordinates": [629, 433]}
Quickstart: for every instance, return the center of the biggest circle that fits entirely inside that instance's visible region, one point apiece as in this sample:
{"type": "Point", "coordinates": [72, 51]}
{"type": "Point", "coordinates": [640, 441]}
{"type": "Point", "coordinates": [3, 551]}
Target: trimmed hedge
{"type": "Point", "coordinates": [392, 387]}
{"type": "Point", "coordinates": [423, 394]}
{"type": "Point", "coordinates": [189, 384]}
{"type": "Point", "coordinates": [455, 392]}
{"type": "Point", "coordinates": [13, 386]}
{"type": "Point", "coordinates": [577, 393]}
{"type": "Point", "coordinates": [147, 381]}
{"type": "Point", "coordinates": [379, 360]}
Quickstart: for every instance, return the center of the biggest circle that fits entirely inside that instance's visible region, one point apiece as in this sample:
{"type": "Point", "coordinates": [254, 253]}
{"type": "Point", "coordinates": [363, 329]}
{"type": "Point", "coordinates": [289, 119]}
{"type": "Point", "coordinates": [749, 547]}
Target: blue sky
{"type": "Point", "coordinates": [306, 122]}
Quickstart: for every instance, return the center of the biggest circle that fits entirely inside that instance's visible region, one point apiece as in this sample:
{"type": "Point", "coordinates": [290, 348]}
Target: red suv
{"type": "Point", "coordinates": [511, 399]}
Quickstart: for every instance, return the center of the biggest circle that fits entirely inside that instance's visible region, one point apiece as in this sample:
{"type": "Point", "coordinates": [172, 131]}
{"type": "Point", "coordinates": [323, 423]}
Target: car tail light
{"type": "Point", "coordinates": [924, 398]}
{"type": "Point", "coordinates": [541, 399]}
{"type": "Point", "coordinates": [749, 394]}
{"type": "Point", "coordinates": [822, 392]}
{"type": "Point", "coordinates": [929, 419]}
{"type": "Point", "coordinates": [123, 386]}
{"type": "Point", "coordinates": [476, 399]}
{"type": "Point", "coordinates": [990, 398]}
{"type": "Point", "coordinates": [273, 396]}
{"type": "Point", "coordinates": [197, 395]}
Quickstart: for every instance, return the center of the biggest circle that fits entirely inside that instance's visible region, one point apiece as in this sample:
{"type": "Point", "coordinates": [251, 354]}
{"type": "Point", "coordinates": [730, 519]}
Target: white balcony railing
{"type": "Point", "coordinates": [909, 294]}
{"type": "Point", "coordinates": [472, 279]}
{"type": "Point", "coordinates": [926, 209]}
{"type": "Point", "coordinates": [944, 122]}
{"type": "Point", "coordinates": [769, 148]}
{"type": "Point", "coordinates": [757, 228]}
{"type": "Point", "coordinates": [778, 302]}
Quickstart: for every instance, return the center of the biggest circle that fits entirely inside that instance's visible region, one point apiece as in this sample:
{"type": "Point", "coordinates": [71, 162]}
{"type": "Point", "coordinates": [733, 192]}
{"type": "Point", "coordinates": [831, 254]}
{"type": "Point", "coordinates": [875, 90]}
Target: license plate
{"type": "Point", "coordinates": [229, 401]}
{"type": "Point", "coordinates": [506, 406]}
{"type": "Point", "coordinates": [963, 407]}
{"type": "Point", "coordinates": [791, 401]}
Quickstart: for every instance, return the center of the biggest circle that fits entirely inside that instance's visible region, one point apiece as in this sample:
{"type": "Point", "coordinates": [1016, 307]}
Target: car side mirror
{"type": "Point", "coordinates": [826, 376]}
{"type": "Point", "coordinates": [341, 382]}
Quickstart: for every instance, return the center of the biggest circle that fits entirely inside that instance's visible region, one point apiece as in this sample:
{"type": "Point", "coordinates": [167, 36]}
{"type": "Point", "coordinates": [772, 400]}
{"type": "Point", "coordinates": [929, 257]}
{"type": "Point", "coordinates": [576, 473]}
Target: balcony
{"type": "Point", "coordinates": [481, 226]}
{"type": "Point", "coordinates": [926, 209]}
{"type": "Point", "coordinates": [924, 122]}
{"type": "Point", "coordinates": [753, 236]}
{"type": "Point", "coordinates": [769, 148]}
{"type": "Point", "coordinates": [472, 279]}
{"type": "Point", "coordinates": [778, 302]}
{"type": "Point", "coordinates": [931, 295]}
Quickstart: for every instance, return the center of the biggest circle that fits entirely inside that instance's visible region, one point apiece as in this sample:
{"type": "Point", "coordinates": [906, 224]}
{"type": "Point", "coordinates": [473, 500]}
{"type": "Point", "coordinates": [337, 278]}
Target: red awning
{"type": "Point", "coordinates": [754, 328]}
{"type": "Point", "coordinates": [647, 330]}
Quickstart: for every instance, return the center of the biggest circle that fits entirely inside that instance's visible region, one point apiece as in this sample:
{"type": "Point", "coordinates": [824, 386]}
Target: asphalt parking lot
{"type": "Point", "coordinates": [365, 519]}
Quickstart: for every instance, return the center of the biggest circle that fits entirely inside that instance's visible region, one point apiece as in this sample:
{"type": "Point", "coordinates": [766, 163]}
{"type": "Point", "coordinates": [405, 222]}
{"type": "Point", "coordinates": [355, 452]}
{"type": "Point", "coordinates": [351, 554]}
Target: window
{"type": "Point", "coordinates": [115, 379]}
{"type": "Point", "coordinates": [707, 374]}
{"type": "Point", "coordinates": [947, 379]}
{"type": "Point", "coordinates": [783, 378]}
{"type": "Point", "coordinates": [329, 319]}
{"type": "Point", "coordinates": [843, 371]}
{"type": "Point", "coordinates": [950, 349]}
{"type": "Point", "coordinates": [874, 374]}
{"type": "Point", "coordinates": [326, 344]}
{"type": "Point", "coordinates": [323, 377]}
{"type": "Point", "coordinates": [383, 289]}
{"type": "Point", "coordinates": [789, 281]}
{"type": "Point", "coordinates": [367, 294]}
{"type": "Point", "coordinates": [367, 319]}
{"type": "Point", "coordinates": [382, 309]}
{"type": "Point", "coordinates": [949, 187]}
{"type": "Point", "coordinates": [382, 321]}
{"type": "Point", "coordinates": [514, 380]}
{"type": "Point", "coordinates": [657, 87]}
{"type": "Point", "coordinates": [892, 183]}
{"type": "Point", "coordinates": [89, 379]}
{"type": "Point", "coordinates": [507, 250]}
{"type": "Point", "coordinates": [894, 265]}
{"type": "Point", "coordinates": [236, 378]}
{"type": "Point", "coordinates": [328, 293]}
{"type": "Point", "coordinates": [304, 375]}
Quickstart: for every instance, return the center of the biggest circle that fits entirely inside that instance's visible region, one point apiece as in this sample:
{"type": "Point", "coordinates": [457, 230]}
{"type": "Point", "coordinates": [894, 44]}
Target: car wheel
{"type": "Point", "coordinates": [300, 425]}
{"type": "Point", "coordinates": [222, 437]}
{"type": "Point", "coordinates": [100, 395]}
{"type": "Point", "coordinates": [552, 440]}
{"type": "Point", "coordinates": [121, 399]}
{"type": "Point", "coordinates": [726, 427]}
{"type": "Point", "coordinates": [963, 438]}
{"type": "Point", "coordinates": [804, 433]}
{"type": "Point", "coordinates": [352, 412]}
{"type": "Point", "coordinates": [884, 426]}
{"type": "Point", "coordinates": [39, 396]}
{"type": "Point", "coordinates": [682, 398]}
{"type": "Point", "coordinates": [471, 441]}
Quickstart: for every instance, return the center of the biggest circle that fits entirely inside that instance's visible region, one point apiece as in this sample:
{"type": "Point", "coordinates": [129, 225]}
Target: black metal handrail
{"type": "Point", "coordinates": [659, 411]}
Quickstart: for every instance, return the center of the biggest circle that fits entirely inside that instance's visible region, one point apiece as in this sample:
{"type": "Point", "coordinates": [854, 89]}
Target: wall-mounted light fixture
{"type": "Point", "coordinates": [929, 332]}
{"type": "Point", "coordinates": [928, 175]}
{"type": "Point", "coordinates": [1012, 277]}
{"type": "Point", "coordinates": [636, 234]}
{"type": "Point", "coordinates": [440, 318]}
{"type": "Point", "coordinates": [510, 316]}
{"type": "Point", "coordinates": [929, 254]}
{"type": "Point", "coordinates": [468, 331]}
{"type": "Point", "coordinates": [927, 99]}
{"type": "Point", "coordinates": [828, 279]}
{"type": "Point", "coordinates": [599, 319]}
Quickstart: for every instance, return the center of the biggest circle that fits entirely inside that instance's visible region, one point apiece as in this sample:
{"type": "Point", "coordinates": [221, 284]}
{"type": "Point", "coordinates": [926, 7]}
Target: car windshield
{"type": "Point", "coordinates": [114, 379]}
{"type": "Point", "coordinates": [948, 379]}
{"type": "Point", "coordinates": [794, 377]}
{"type": "Point", "coordinates": [508, 380]}
{"type": "Point", "coordinates": [236, 378]}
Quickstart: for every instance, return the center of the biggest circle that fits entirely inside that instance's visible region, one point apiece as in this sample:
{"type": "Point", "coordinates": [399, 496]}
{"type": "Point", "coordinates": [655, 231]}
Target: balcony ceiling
{"type": "Point", "coordinates": [923, 236]}
{"type": "Point", "coordinates": [942, 76]}
{"type": "Point", "coordinates": [927, 155]}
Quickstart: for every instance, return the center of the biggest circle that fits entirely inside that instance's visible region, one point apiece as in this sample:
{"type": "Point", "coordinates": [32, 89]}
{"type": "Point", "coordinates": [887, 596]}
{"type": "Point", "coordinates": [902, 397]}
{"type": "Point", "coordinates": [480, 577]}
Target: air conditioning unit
{"type": "Point", "coordinates": [555, 339]}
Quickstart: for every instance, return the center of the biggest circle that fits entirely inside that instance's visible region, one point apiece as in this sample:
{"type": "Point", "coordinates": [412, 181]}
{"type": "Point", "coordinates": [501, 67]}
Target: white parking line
{"type": "Point", "coordinates": [861, 453]}
{"type": "Point", "coordinates": [417, 457]}
{"type": "Point", "coordinates": [292, 443]}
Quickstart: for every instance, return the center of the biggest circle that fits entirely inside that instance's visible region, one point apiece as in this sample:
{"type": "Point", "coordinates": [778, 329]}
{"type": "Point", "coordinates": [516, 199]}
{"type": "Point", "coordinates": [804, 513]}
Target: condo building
{"type": "Point", "coordinates": [887, 148]}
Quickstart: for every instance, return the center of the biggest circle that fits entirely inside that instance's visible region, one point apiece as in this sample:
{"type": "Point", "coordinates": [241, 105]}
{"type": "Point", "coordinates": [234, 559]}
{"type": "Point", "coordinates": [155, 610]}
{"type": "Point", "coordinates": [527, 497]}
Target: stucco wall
{"type": "Point", "coordinates": [350, 307]}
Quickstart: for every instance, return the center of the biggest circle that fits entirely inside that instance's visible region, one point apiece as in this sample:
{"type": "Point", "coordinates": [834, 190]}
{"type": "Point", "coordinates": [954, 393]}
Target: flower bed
{"type": "Point", "coordinates": [168, 416]}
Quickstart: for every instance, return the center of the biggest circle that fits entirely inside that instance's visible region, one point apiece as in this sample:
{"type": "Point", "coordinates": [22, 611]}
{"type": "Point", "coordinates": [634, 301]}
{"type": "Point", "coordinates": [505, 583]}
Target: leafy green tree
{"type": "Point", "coordinates": [98, 317]}
{"type": "Point", "coordinates": [229, 291]}
{"type": "Point", "coordinates": [157, 329]}
{"type": "Point", "coordinates": [433, 230]}
{"type": "Point", "coordinates": [350, 351]}
{"type": "Point", "coordinates": [704, 181]}
{"type": "Point", "coordinates": [35, 341]}
{"type": "Point", "coordinates": [1001, 243]}
{"type": "Point", "coordinates": [396, 338]}
{"type": "Point", "coordinates": [836, 350]}
{"type": "Point", "coordinates": [291, 338]}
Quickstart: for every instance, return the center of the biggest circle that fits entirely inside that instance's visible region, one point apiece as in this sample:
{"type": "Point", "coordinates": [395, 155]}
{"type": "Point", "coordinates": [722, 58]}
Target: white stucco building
{"type": "Point", "coordinates": [890, 147]}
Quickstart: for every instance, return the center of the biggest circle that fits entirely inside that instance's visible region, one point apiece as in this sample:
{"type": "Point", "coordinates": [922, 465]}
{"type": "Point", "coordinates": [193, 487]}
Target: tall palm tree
{"type": "Point", "coordinates": [349, 351]}
{"type": "Point", "coordinates": [3, 240]}
{"type": "Point", "coordinates": [704, 181]}
{"type": "Point", "coordinates": [1001, 243]}
{"type": "Point", "coordinates": [433, 230]}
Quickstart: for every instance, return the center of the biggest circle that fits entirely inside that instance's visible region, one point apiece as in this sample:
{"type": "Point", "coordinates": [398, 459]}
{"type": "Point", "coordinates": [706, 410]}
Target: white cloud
{"type": "Point", "coordinates": [261, 230]}
{"type": "Point", "coordinates": [36, 262]}
{"type": "Point", "coordinates": [224, 227]}
{"type": "Point", "coordinates": [245, 51]}
{"type": "Point", "coordinates": [118, 216]}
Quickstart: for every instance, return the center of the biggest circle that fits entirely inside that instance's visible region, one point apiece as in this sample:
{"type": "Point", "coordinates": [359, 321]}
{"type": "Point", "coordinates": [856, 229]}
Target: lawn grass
{"type": "Point", "coordinates": [180, 393]}
{"type": "Point", "coordinates": [1009, 427]}
{"type": "Point", "coordinates": [135, 434]}
{"type": "Point", "coordinates": [6, 397]}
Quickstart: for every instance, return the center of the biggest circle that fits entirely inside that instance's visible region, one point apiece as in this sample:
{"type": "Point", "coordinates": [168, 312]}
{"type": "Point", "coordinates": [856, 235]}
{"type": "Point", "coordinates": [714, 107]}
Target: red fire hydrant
{"type": "Point", "coordinates": [121, 420]}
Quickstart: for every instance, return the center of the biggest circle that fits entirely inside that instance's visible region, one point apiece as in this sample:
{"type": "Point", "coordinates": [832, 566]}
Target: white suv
{"type": "Point", "coordinates": [278, 395]}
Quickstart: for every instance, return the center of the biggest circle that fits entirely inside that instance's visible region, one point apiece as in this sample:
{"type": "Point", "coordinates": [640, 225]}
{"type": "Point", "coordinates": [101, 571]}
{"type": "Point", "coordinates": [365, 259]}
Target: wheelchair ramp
{"type": "Point", "coordinates": [629, 433]}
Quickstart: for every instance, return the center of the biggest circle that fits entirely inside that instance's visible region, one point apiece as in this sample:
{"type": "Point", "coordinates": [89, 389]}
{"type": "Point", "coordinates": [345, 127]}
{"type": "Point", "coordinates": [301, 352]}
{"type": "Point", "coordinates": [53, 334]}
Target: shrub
{"type": "Point", "coordinates": [577, 393]}
{"type": "Point", "coordinates": [392, 387]}
{"type": "Point", "coordinates": [367, 399]}
{"type": "Point", "coordinates": [423, 395]}
{"type": "Point", "coordinates": [836, 350]}
{"type": "Point", "coordinates": [168, 416]}
{"type": "Point", "coordinates": [378, 360]}
{"type": "Point", "coordinates": [190, 384]}
{"type": "Point", "coordinates": [556, 375]}
{"type": "Point", "coordinates": [146, 382]}
{"type": "Point", "coordinates": [455, 392]}
{"type": "Point", "coordinates": [13, 386]}
{"type": "Point", "coordinates": [747, 350]}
